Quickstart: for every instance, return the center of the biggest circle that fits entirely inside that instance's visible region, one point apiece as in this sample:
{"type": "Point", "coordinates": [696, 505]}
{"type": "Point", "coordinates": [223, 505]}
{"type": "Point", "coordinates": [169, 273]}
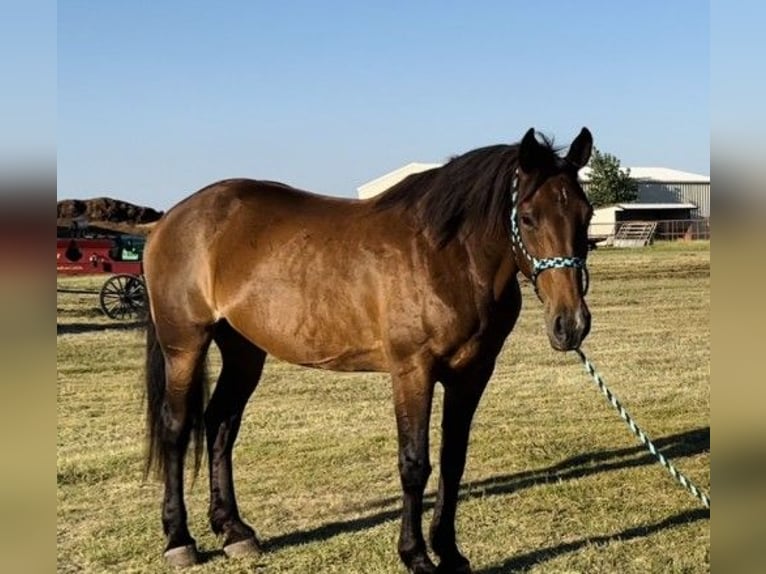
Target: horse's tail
{"type": "Point", "coordinates": [154, 372]}
{"type": "Point", "coordinates": [155, 399]}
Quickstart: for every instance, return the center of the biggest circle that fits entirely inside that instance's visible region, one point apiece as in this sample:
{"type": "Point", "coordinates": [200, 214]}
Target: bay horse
{"type": "Point", "coordinates": [420, 282]}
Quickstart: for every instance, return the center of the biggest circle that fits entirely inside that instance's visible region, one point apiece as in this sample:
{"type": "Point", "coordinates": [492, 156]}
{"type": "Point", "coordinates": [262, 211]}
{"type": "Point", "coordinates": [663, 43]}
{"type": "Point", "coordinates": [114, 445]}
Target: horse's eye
{"type": "Point", "coordinates": [527, 220]}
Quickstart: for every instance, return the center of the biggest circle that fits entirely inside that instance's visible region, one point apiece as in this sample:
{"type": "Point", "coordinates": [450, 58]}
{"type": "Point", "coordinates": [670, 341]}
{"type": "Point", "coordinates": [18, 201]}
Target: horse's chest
{"type": "Point", "coordinates": [484, 341]}
{"type": "Point", "coordinates": [466, 354]}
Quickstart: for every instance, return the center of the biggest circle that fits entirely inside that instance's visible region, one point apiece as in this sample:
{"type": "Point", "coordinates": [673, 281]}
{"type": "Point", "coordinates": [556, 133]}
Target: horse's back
{"type": "Point", "coordinates": [240, 211]}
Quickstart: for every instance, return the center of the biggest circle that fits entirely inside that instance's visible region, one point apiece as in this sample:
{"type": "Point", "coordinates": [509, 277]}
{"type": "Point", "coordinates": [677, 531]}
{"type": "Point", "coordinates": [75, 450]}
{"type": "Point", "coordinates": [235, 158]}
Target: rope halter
{"type": "Point", "coordinates": [536, 265]}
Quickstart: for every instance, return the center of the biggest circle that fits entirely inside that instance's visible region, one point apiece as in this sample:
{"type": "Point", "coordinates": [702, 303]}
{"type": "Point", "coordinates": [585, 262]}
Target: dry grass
{"type": "Point", "coordinates": [554, 481]}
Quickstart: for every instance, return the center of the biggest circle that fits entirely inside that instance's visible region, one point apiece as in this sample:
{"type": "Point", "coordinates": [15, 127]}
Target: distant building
{"type": "Point", "coordinates": [382, 183]}
{"type": "Point", "coordinates": [678, 201]}
{"type": "Point", "coordinates": [661, 185]}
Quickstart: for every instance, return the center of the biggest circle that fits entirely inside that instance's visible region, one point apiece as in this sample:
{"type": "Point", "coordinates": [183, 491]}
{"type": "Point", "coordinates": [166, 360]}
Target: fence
{"type": "Point", "coordinates": [667, 230]}
{"type": "Point", "coordinates": [687, 229]}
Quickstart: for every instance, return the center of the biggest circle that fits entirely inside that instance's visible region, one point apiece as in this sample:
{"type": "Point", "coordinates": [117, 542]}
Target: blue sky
{"type": "Point", "coordinates": [158, 99]}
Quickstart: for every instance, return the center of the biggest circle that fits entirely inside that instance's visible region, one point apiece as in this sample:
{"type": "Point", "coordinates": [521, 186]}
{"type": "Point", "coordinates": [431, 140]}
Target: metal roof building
{"type": "Point", "coordinates": [665, 185]}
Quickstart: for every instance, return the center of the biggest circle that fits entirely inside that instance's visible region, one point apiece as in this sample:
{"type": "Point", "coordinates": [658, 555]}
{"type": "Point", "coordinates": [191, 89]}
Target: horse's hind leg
{"type": "Point", "coordinates": [241, 370]}
{"type": "Point", "coordinates": [176, 395]}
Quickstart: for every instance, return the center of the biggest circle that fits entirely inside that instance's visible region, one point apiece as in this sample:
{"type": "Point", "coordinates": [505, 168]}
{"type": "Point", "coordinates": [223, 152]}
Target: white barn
{"type": "Point", "coordinates": [382, 183]}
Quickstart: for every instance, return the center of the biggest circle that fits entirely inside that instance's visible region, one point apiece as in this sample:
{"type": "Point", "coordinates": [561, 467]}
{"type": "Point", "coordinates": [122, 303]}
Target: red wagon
{"type": "Point", "coordinates": [122, 295]}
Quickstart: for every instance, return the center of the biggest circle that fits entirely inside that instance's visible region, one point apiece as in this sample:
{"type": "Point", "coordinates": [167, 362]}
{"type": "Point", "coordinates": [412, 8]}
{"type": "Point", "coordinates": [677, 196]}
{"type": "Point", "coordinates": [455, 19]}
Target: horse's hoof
{"type": "Point", "coordinates": [456, 567]}
{"type": "Point", "coordinates": [424, 566]}
{"type": "Point", "coordinates": [246, 547]}
{"type": "Point", "coordinates": [182, 556]}
{"type": "Point", "coordinates": [461, 569]}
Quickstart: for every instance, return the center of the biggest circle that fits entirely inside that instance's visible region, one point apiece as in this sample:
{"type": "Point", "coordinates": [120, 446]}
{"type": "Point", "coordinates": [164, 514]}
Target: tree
{"type": "Point", "coordinates": [608, 183]}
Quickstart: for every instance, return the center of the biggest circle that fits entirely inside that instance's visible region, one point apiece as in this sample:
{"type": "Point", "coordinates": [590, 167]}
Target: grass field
{"type": "Point", "coordinates": [554, 481]}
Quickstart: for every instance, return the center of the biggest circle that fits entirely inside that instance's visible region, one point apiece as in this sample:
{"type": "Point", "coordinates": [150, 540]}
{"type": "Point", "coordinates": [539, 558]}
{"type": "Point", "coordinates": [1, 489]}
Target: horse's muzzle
{"type": "Point", "coordinates": [567, 329]}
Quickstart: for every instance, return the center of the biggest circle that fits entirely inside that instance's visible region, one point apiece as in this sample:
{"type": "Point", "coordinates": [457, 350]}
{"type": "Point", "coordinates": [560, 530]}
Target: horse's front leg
{"type": "Point", "coordinates": [461, 397]}
{"type": "Point", "coordinates": [413, 392]}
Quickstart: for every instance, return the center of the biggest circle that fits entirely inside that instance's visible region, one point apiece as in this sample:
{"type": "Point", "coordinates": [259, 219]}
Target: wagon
{"type": "Point", "coordinates": [121, 296]}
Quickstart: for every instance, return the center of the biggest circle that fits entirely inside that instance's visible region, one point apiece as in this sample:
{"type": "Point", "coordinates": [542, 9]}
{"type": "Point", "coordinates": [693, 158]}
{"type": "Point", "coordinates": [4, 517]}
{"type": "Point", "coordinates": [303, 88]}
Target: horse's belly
{"type": "Point", "coordinates": [324, 355]}
{"type": "Point", "coordinates": [352, 359]}
{"type": "Point", "coordinates": [322, 336]}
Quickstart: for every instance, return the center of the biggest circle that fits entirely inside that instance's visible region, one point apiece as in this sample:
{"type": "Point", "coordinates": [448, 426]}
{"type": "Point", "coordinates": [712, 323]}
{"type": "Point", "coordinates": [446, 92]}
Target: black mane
{"type": "Point", "coordinates": [471, 193]}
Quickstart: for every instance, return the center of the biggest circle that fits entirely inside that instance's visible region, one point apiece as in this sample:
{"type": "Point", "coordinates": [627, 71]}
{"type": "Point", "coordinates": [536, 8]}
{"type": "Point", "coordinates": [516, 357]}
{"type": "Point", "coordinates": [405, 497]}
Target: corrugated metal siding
{"type": "Point", "coordinates": [660, 192]}
{"type": "Point", "coordinates": [699, 195]}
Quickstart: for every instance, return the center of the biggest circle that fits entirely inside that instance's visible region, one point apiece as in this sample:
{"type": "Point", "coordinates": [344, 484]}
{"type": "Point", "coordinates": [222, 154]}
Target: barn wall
{"type": "Point", "coordinates": [658, 192]}
{"type": "Point", "coordinates": [668, 192]}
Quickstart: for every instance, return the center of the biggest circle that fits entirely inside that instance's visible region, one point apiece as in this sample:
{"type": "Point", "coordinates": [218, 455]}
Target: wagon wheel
{"type": "Point", "coordinates": [122, 297]}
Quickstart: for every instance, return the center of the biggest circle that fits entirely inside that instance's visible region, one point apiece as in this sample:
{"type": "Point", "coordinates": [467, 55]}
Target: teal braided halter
{"type": "Point", "coordinates": [539, 265]}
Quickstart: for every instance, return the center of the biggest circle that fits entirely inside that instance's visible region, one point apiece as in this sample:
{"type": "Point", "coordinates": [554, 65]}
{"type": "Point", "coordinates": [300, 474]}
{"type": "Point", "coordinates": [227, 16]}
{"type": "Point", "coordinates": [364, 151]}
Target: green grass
{"type": "Point", "coordinates": [554, 481]}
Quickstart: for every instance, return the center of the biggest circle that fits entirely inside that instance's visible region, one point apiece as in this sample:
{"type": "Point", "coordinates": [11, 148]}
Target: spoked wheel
{"type": "Point", "coordinates": [122, 297]}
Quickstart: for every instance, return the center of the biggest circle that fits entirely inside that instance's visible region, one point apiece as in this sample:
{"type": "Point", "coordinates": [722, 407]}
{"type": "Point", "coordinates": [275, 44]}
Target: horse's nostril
{"type": "Point", "coordinates": [558, 326]}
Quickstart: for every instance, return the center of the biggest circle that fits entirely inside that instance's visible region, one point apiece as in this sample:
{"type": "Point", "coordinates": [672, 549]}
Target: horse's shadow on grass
{"type": "Point", "coordinates": [525, 561]}
{"type": "Point", "coordinates": [679, 445]}
{"type": "Point", "coordinates": [77, 328]}
{"type": "Point", "coordinates": [688, 443]}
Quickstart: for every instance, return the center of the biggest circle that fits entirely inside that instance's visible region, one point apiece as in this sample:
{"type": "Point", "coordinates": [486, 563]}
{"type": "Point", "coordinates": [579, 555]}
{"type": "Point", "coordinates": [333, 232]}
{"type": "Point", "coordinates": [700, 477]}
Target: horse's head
{"type": "Point", "coordinates": [550, 233]}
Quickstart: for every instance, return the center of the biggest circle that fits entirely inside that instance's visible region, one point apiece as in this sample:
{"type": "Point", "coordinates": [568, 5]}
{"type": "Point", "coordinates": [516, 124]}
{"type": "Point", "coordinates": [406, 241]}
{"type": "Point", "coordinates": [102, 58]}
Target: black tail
{"type": "Point", "coordinates": [155, 400]}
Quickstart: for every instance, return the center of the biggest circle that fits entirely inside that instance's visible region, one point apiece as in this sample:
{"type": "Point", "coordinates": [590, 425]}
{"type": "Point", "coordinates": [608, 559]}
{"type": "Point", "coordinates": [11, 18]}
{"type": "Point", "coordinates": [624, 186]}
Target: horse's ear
{"type": "Point", "coordinates": [529, 152]}
{"type": "Point", "coordinates": [579, 151]}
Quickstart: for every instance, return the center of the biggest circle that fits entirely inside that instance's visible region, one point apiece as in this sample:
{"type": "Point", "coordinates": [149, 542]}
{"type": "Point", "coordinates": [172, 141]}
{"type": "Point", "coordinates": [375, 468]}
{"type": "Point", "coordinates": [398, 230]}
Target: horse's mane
{"type": "Point", "coordinates": [470, 193]}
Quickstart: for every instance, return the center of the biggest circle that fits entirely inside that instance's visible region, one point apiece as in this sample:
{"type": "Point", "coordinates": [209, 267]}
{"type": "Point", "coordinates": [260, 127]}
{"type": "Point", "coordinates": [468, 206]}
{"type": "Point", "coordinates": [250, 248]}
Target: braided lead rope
{"type": "Point", "coordinates": [675, 473]}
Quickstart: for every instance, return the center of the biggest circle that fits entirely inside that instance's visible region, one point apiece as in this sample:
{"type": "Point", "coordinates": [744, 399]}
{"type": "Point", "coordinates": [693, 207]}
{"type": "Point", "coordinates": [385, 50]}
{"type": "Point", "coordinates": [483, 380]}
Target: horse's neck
{"type": "Point", "coordinates": [493, 264]}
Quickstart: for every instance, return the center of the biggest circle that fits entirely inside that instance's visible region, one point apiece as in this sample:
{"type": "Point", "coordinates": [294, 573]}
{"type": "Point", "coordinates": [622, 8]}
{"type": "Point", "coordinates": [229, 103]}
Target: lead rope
{"type": "Point", "coordinates": [674, 472]}
{"type": "Point", "coordinates": [539, 265]}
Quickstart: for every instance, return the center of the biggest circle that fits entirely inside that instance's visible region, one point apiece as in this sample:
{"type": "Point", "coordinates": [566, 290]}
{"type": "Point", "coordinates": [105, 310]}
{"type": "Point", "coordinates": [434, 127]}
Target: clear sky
{"type": "Point", "coordinates": [157, 99]}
